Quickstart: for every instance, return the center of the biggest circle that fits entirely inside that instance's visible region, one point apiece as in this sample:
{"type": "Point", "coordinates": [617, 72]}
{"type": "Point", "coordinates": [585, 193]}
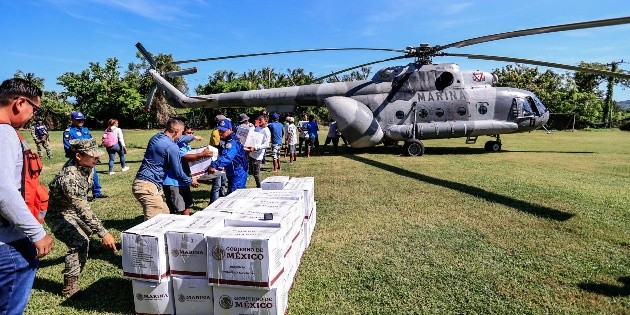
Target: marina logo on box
{"type": "Point", "coordinates": [195, 298]}
{"type": "Point", "coordinates": [149, 297]}
{"type": "Point", "coordinates": [218, 252]}
{"type": "Point", "coordinates": [225, 302]}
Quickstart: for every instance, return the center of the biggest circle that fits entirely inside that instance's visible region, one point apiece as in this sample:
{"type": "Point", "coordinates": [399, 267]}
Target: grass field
{"type": "Point", "coordinates": [541, 228]}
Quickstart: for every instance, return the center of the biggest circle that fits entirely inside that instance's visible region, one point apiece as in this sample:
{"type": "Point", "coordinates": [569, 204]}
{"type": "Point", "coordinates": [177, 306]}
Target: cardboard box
{"type": "Point", "coordinates": [274, 182]}
{"type": "Point", "coordinates": [192, 296]}
{"type": "Point", "coordinates": [242, 132]}
{"type": "Point", "coordinates": [249, 301]}
{"type": "Point", "coordinates": [246, 256]}
{"type": "Point", "coordinates": [246, 193]}
{"type": "Point", "coordinates": [144, 255]}
{"type": "Point", "coordinates": [152, 297]}
{"type": "Point", "coordinates": [199, 167]}
{"type": "Point", "coordinates": [187, 249]}
{"type": "Point", "coordinates": [226, 204]}
{"type": "Point", "coordinates": [309, 226]}
{"type": "Point", "coordinates": [307, 186]}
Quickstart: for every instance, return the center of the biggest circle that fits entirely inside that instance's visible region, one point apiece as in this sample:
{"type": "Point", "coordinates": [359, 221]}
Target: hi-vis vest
{"type": "Point", "coordinates": [35, 194]}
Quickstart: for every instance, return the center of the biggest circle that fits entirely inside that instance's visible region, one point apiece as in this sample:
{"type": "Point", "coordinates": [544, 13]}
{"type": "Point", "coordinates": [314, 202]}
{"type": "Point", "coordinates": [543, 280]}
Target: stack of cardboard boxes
{"type": "Point", "coordinates": [237, 256]}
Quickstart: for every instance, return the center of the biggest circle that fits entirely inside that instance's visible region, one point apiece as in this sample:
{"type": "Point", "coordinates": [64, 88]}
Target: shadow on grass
{"type": "Point", "coordinates": [123, 224]}
{"type": "Point", "coordinates": [106, 295]}
{"type": "Point", "coordinates": [524, 206]}
{"type": "Point", "coordinates": [608, 289]}
{"type": "Point", "coordinates": [549, 151]}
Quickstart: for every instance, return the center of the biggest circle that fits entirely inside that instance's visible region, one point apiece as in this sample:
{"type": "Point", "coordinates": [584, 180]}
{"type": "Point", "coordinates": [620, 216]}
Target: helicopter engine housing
{"type": "Point", "coordinates": [355, 121]}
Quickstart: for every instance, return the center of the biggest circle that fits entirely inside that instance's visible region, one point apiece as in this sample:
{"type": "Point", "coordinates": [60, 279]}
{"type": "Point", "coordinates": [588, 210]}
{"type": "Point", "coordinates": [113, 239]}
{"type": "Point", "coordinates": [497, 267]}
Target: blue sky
{"type": "Point", "coordinates": [51, 37]}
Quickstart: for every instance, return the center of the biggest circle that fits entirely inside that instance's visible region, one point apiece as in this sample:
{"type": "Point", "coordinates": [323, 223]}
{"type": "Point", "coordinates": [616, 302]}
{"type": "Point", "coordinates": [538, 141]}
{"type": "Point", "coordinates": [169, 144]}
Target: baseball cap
{"type": "Point", "coordinates": [290, 119]}
{"type": "Point", "coordinates": [275, 116]}
{"type": "Point", "coordinates": [224, 124]}
{"type": "Point", "coordinates": [219, 117]}
{"type": "Point", "coordinates": [243, 117]}
{"type": "Point", "coordinates": [77, 115]}
{"type": "Point", "coordinates": [87, 146]}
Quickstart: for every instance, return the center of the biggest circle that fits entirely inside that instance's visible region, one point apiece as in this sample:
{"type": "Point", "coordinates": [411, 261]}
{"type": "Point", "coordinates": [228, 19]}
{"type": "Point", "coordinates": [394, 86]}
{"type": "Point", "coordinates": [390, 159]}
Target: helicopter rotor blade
{"type": "Point", "coordinates": [147, 104]}
{"type": "Point", "coordinates": [284, 52]}
{"type": "Point", "coordinates": [538, 30]}
{"type": "Point", "coordinates": [146, 55]}
{"type": "Point", "coordinates": [356, 67]}
{"type": "Point", "coordinates": [542, 63]}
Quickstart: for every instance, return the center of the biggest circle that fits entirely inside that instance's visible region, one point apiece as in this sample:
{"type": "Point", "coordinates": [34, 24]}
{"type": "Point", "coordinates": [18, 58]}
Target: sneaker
{"type": "Point", "coordinates": [126, 168]}
{"type": "Point", "coordinates": [100, 196]}
{"type": "Point", "coordinates": [112, 173]}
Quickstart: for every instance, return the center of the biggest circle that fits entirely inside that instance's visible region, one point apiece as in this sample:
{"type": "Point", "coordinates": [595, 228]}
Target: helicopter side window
{"type": "Point", "coordinates": [461, 111]}
{"type": "Point", "coordinates": [423, 113]}
{"type": "Point", "coordinates": [400, 114]}
{"type": "Point", "coordinates": [439, 112]}
{"type": "Point", "coordinates": [482, 108]}
{"type": "Point", "coordinates": [444, 80]}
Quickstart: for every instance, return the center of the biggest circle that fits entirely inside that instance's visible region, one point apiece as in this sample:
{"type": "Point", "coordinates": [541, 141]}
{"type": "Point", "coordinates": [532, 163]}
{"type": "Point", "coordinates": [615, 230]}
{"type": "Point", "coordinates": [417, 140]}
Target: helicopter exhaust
{"type": "Point", "coordinates": [355, 120]}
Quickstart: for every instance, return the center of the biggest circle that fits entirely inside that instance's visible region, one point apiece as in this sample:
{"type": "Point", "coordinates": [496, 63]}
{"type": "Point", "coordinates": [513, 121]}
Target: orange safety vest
{"type": "Point", "coordinates": [35, 194]}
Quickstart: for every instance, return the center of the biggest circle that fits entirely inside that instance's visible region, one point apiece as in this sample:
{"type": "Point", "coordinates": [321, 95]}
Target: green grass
{"type": "Point", "coordinates": [541, 228]}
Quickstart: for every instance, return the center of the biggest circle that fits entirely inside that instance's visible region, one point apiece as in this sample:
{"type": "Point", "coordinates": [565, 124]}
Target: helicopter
{"type": "Point", "coordinates": [409, 103]}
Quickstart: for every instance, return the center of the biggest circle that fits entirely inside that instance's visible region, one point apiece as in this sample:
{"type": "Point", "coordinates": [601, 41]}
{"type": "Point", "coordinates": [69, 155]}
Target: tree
{"type": "Point", "coordinates": [101, 93]}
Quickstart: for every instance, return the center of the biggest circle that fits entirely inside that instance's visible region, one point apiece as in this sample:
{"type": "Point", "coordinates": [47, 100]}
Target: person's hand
{"type": "Point", "coordinates": [251, 148]}
{"type": "Point", "coordinates": [198, 138]}
{"type": "Point", "coordinates": [211, 170]}
{"type": "Point", "coordinates": [206, 153]}
{"type": "Point", "coordinates": [125, 150]}
{"type": "Point", "coordinates": [195, 183]}
{"type": "Point", "coordinates": [43, 246]}
{"type": "Point", "coordinates": [109, 242]}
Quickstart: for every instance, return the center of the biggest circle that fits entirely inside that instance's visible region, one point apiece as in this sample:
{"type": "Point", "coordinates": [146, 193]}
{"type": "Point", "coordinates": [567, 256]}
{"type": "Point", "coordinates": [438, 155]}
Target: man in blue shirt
{"type": "Point", "coordinates": [178, 196]}
{"type": "Point", "coordinates": [276, 129]}
{"type": "Point", "coordinates": [232, 157]}
{"type": "Point", "coordinates": [162, 155]}
{"type": "Point", "coordinates": [77, 131]}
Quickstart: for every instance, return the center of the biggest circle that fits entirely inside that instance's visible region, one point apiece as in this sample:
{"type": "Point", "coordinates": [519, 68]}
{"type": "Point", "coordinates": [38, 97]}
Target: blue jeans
{"type": "Point", "coordinates": [17, 272]}
{"type": "Point", "coordinates": [112, 156]}
{"type": "Point", "coordinates": [96, 187]}
{"type": "Point", "coordinates": [218, 188]}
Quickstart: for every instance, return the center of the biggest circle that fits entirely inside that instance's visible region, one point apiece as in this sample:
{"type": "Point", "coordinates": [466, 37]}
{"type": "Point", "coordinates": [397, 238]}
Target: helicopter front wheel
{"type": "Point", "coordinates": [493, 146]}
{"type": "Point", "coordinates": [414, 147]}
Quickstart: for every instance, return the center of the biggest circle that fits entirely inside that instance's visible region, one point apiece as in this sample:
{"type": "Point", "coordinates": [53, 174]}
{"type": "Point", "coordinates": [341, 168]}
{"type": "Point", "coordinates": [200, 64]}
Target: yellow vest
{"type": "Point", "coordinates": [215, 138]}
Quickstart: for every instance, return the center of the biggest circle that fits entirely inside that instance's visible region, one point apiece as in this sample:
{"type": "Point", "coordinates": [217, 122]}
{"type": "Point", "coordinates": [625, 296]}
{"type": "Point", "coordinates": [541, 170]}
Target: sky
{"type": "Point", "coordinates": [52, 37]}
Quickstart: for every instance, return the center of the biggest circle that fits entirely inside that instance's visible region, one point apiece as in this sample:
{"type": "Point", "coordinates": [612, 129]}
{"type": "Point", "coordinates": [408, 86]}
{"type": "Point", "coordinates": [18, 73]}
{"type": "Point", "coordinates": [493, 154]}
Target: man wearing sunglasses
{"type": "Point", "coordinates": [77, 131]}
{"type": "Point", "coordinates": [22, 239]}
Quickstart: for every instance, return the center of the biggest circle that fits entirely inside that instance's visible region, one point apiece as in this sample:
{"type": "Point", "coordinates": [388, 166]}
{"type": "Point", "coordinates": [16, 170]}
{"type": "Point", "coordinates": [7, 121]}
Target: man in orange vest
{"type": "Point", "coordinates": [23, 240]}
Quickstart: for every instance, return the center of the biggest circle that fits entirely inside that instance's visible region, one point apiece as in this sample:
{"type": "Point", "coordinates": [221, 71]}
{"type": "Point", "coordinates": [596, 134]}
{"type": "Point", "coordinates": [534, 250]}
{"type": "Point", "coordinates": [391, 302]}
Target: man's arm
{"type": "Point", "coordinates": [173, 162]}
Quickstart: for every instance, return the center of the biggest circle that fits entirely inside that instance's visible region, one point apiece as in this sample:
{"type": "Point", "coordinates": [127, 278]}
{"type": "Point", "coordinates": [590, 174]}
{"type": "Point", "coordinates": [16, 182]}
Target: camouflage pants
{"type": "Point", "coordinates": [46, 145]}
{"type": "Point", "coordinates": [76, 236]}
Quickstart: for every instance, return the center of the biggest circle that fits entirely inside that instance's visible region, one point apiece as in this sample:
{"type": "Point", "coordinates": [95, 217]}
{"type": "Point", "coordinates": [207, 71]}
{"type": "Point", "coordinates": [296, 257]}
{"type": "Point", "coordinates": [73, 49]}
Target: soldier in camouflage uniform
{"type": "Point", "coordinates": [69, 215]}
{"type": "Point", "coordinates": [39, 132]}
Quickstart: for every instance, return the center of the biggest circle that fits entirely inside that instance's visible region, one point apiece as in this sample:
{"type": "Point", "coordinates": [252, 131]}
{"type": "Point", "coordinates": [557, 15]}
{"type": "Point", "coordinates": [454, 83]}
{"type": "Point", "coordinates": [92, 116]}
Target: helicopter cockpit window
{"type": "Point", "coordinates": [400, 114]}
{"type": "Point", "coordinates": [527, 109]}
{"type": "Point", "coordinates": [423, 113]}
{"type": "Point", "coordinates": [444, 80]}
{"type": "Point", "coordinates": [439, 112]}
{"type": "Point", "coordinates": [482, 108]}
{"type": "Point", "coordinates": [541, 108]}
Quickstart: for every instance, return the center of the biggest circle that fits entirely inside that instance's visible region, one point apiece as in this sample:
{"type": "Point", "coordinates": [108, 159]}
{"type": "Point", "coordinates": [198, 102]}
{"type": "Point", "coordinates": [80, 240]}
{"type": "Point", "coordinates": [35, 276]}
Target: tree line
{"type": "Point", "coordinates": [109, 90]}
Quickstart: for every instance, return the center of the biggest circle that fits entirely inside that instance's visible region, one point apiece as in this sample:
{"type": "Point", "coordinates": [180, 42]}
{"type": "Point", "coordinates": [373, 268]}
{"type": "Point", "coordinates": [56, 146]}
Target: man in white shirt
{"type": "Point", "coordinates": [257, 152]}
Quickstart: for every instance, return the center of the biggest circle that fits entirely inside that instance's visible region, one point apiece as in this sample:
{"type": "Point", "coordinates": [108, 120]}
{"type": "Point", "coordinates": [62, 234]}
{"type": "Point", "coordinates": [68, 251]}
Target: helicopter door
{"type": "Point", "coordinates": [525, 111]}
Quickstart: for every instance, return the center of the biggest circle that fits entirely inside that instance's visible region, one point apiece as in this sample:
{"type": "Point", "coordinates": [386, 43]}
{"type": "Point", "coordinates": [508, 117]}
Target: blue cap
{"type": "Point", "coordinates": [224, 124]}
{"type": "Point", "coordinates": [77, 115]}
{"type": "Point", "coordinates": [275, 116]}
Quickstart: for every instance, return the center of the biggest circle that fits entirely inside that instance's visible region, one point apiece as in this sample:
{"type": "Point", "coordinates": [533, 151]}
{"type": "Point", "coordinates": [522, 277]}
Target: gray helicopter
{"type": "Point", "coordinates": [404, 103]}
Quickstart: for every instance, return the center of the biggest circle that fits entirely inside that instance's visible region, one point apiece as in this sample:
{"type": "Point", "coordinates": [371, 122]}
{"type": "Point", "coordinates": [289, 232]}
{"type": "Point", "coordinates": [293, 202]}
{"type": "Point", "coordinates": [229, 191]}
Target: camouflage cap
{"type": "Point", "coordinates": [87, 146]}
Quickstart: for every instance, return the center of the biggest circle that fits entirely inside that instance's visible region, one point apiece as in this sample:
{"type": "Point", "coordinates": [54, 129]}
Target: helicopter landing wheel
{"type": "Point", "coordinates": [493, 146]}
{"type": "Point", "coordinates": [414, 148]}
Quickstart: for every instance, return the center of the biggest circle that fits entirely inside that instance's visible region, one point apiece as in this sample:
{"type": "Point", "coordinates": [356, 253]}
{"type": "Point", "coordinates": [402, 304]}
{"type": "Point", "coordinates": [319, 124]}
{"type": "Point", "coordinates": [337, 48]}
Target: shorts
{"type": "Point", "coordinates": [291, 148]}
{"type": "Point", "coordinates": [275, 151]}
{"type": "Point", "coordinates": [178, 198]}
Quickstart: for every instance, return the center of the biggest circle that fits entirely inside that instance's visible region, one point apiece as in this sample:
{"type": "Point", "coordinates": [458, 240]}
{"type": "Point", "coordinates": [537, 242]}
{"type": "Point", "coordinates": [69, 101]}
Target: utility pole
{"type": "Point", "coordinates": [608, 102]}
